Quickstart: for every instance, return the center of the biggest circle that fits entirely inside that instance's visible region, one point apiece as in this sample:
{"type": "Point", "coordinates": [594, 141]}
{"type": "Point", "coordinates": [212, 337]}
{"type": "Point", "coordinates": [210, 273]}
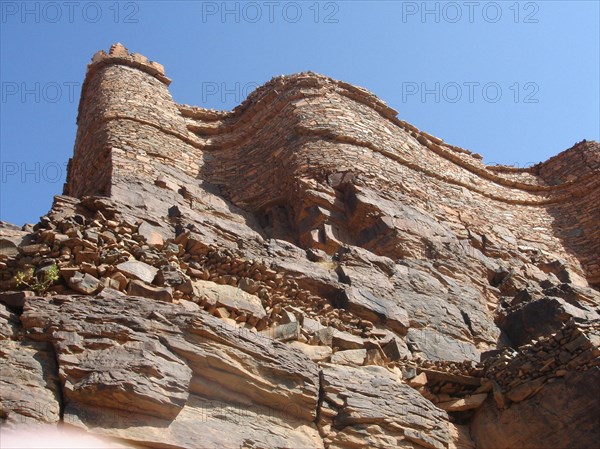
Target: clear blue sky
{"type": "Point", "coordinates": [515, 81]}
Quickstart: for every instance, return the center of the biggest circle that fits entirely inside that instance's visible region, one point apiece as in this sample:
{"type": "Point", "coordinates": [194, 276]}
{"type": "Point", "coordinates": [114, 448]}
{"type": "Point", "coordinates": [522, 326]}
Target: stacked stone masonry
{"type": "Point", "coordinates": [308, 126]}
{"type": "Point", "coordinates": [306, 270]}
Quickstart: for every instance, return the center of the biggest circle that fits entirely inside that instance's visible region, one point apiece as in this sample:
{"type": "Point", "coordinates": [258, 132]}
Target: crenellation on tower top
{"type": "Point", "coordinates": [118, 54]}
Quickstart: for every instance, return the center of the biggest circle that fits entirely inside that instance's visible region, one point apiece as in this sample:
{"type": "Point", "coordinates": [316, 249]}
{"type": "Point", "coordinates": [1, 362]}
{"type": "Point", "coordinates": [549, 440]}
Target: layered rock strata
{"type": "Point", "coordinates": [306, 270]}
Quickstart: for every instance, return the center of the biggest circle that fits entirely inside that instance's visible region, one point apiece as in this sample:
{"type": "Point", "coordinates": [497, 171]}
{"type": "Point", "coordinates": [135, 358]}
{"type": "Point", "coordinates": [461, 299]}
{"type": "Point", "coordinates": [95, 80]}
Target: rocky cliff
{"type": "Point", "coordinates": [305, 271]}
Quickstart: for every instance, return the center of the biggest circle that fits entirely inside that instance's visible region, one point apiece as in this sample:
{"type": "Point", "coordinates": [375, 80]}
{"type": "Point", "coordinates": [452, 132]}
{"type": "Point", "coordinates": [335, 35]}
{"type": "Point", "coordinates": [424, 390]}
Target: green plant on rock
{"type": "Point", "coordinates": [40, 282]}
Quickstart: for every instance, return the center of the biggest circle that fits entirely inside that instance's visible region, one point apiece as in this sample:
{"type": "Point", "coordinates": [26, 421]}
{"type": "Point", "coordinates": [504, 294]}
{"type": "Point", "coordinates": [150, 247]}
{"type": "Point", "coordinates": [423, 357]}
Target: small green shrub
{"type": "Point", "coordinates": [40, 282]}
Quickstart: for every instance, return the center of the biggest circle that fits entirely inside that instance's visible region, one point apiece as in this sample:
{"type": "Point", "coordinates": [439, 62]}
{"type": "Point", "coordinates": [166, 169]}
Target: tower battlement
{"type": "Point", "coordinates": [118, 54]}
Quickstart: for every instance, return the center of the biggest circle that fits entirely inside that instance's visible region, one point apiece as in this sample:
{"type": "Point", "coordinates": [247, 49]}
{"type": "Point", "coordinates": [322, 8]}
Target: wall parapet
{"type": "Point", "coordinates": [211, 124]}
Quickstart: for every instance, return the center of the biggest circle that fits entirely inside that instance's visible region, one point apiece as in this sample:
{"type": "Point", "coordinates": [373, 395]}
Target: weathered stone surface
{"type": "Point", "coordinates": [369, 306]}
{"type": "Point", "coordinates": [323, 334]}
{"type": "Point", "coordinates": [232, 363]}
{"type": "Point", "coordinates": [419, 380]}
{"type": "Point", "coordinates": [33, 249]}
{"type": "Point", "coordinates": [525, 390]}
{"type": "Point", "coordinates": [207, 422]}
{"type": "Point", "coordinates": [29, 386]}
{"type": "Point", "coordinates": [570, 403]}
{"type": "Point", "coordinates": [396, 349]}
{"type": "Point", "coordinates": [11, 237]}
{"type": "Point", "coordinates": [344, 340]}
{"type": "Point", "coordinates": [344, 221]}
{"type": "Point", "coordinates": [107, 358]}
{"type": "Point", "coordinates": [315, 353]}
{"type": "Point", "coordinates": [138, 288]}
{"type": "Point", "coordinates": [435, 345]}
{"type": "Point", "coordinates": [169, 275]}
{"type": "Point", "coordinates": [9, 229]}
{"type": "Point", "coordinates": [230, 297]}
{"type": "Point", "coordinates": [135, 269]}
{"type": "Point", "coordinates": [151, 234]}
{"type": "Point", "coordinates": [460, 379]}
{"type": "Point", "coordinates": [463, 404]}
{"type": "Point", "coordinates": [432, 301]}
{"type": "Point", "coordinates": [8, 323]}
{"type": "Point", "coordinates": [542, 317]}
{"type": "Point", "coordinates": [461, 438]}
{"type": "Point", "coordinates": [370, 406]}
{"type": "Point", "coordinates": [284, 332]}
{"type": "Point", "coordinates": [349, 357]}
{"type": "Point", "coordinates": [15, 299]}
{"type": "Point", "coordinates": [84, 283]}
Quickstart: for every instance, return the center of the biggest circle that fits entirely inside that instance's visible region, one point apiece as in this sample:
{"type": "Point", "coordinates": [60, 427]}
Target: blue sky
{"type": "Point", "coordinates": [514, 81]}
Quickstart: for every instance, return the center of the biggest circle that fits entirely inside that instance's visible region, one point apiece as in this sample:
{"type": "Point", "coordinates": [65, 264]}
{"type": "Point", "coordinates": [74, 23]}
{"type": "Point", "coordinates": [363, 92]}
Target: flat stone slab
{"type": "Point", "coordinates": [371, 307]}
{"type": "Point", "coordinates": [138, 288]}
{"type": "Point", "coordinates": [135, 269]}
{"type": "Point", "coordinates": [462, 404]}
{"type": "Point", "coordinates": [349, 357]}
{"type": "Point", "coordinates": [344, 340]}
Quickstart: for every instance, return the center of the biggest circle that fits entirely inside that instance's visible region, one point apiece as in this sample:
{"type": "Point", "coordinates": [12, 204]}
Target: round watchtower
{"type": "Point", "coordinates": [124, 111]}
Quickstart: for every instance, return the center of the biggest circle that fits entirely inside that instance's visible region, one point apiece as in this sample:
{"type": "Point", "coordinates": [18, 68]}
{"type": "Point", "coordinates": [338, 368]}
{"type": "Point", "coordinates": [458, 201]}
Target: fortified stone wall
{"type": "Point", "coordinates": [283, 154]}
{"type": "Point", "coordinates": [577, 219]}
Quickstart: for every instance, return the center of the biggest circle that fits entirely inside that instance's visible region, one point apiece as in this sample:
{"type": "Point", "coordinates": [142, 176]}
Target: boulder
{"type": "Point", "coordinates": [84, 283]}
{"type": "Point", "coordinates": [284, 332]}
{"type": "Point", "coordinates": [15, 299]}
{"type": "Point", "coordinates": [168, 275]}
{"type": "Point", "coordinates": [151, 234]}
{"type": "Point", "coordinates": [139, 288]}
{"type": "Point", "coordinates": [315, 353]}
{"type": "Point", "coordinates": [230, 297]}
{"type": "Point", "coordinates": [344, 340]}
{"type": "Point", "coordinates": [396, 349]}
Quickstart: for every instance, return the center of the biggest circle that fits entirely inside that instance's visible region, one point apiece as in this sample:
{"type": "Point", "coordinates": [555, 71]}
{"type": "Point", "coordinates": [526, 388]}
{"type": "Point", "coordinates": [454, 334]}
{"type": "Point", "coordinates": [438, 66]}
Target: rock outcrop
{"type": "Point", "coordinates": [306, 270]}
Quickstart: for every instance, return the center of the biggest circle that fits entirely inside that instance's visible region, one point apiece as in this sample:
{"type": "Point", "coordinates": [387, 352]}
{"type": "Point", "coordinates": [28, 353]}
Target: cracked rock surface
{"type": "Point", "coordinates": [305, 271]}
